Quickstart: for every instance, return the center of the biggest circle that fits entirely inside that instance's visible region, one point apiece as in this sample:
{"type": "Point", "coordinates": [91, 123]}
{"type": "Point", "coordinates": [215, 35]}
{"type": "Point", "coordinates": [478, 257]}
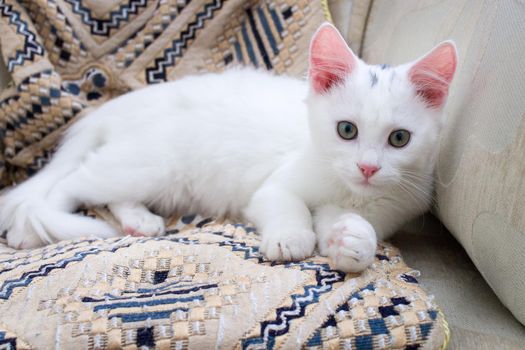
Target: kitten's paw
{"type": "Point", "coordinates": [23, 240]}
{"type": "Point", "coordinates": [288, 246]}
{"type": "Point", "coordinates": [140, 223]}
{"type": "Point", "coordinates": [352, 244]}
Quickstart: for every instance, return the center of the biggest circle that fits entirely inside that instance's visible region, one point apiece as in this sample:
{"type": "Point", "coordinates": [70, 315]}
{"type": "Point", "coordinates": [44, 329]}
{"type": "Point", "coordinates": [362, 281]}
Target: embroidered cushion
{"type": "Point", "coordinates": [205, 285]}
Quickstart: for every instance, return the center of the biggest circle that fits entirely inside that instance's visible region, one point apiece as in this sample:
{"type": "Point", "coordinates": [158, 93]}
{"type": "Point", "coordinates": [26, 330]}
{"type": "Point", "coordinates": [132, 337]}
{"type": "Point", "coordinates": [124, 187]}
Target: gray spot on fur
{"type": "Point", "coordinates": [373, 79]}
{"type": "Point", "coordinates": [384, 66]}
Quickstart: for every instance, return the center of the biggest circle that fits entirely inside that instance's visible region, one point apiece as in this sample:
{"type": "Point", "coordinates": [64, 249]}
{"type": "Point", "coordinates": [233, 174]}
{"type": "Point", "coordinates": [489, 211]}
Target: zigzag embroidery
{"type": "Point", "coordinates": [47, 256]}
{"type": "Point", "coordinates": [249, 252]}
{"type": "Point", "coordinates": [44, 270]}
{"type": "Point", "coordinates": [31, 46]}
{"type": "Point", "coordinates": [104, 26]}
{"type": "Point", "coordinates": [27, 277]}
{"type": "Point", "coordinates": [280, 325]}
{"type": "Point", "coordinates": [158, 73]}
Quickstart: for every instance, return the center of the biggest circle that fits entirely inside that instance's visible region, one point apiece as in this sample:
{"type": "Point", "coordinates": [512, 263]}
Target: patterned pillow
{"type": "Point", "coordinates": [205, 285]}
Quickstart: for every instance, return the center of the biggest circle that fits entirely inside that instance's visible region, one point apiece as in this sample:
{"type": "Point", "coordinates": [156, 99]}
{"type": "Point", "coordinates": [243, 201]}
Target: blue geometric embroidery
{"type": "Point", "coordinates": [146, 294]}
{"type": "Point", "coordinates": [157, 74]}
{"type": "Point", "coordinates": [258, 40]}
{"type": "Point", "coordinates": [267, 30]}
{"type": "Point", "coordinates": [153, 302]}
{"type": "Point", "coordinates": [408, 278]}
{"type": "Point", "coordinates": [31, 46]}
{"type": "Point", "coordinates": [143, 316]}
{"type": "Point", "coordinates": [7, 343]}
{"type": "Point", "coordinates": [364, 342]}
{"type": "Point", "coordinates": [425, 329]}
{"type": "Point", "coordinates": [377, 326]}
{"type": "Point", "coordinates": [433, 314]}
{"type": "Point", "coordinates": [386, 311]}
{"type": "Point", "coordinates": [145, 338]}
{"type": "Point", "coordinates": [249, 46]}
{"type": "Point", "coordinates": [249, 252]}
{"type": "Point", "coordinates": [269, 330]}
{"type": "Point", "coordinates": [357, 295]}
{"type": "Point", "coordinates": [260, 35]}
{"type": "Point", "coordinates": [6, 289]}
{"type": "Point", "coordinates": [156, 32]}
{"type": "Point", "coordinates": [276, 20]}
{"type": "Point", "coordinates": [373, 329]}
{"type": "Point", "coordinates": [103, 26]}
{"type": "Point", "coordinates": [32, 110]}
{"type": "Point", "coordinates": [27, 277]}
{"type": "Point", "coordinates": [315, 340]}
{"type": "Point", "coordinates": [28, 261]}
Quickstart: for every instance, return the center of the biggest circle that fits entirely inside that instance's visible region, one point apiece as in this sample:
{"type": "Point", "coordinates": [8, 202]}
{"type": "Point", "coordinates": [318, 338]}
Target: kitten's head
{"type": "Point", "coordinates": [377, 127]}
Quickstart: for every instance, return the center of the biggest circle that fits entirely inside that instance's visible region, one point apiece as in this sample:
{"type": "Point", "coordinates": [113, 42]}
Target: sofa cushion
{"type": "Point", "coordinates": [206, 285]}
{"type": "Point", "coordinates": [350, 18]}
{"type": "Point", "coordinates": [481, 166]}
{"type": "Point", "coordinates": [477, 319]}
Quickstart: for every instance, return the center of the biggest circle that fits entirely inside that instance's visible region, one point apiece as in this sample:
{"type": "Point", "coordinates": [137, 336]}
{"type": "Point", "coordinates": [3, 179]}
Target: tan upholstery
{"type": "Point", "coordinates": [480, 187]}
{"type": "Point", "coordinates": [4, 76]}
{"type": "Point", "coordinates": [350, 18]}
{"type": "Point", "coordinates": [477, 319]}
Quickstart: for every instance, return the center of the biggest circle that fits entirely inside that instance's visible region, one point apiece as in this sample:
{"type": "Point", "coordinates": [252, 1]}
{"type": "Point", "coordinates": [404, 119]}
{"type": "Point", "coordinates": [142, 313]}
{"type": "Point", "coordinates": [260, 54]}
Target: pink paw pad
{"type": "Point", "coordinates": [337, 241]}
{"type": "Point", "coordinates": [132, 232]}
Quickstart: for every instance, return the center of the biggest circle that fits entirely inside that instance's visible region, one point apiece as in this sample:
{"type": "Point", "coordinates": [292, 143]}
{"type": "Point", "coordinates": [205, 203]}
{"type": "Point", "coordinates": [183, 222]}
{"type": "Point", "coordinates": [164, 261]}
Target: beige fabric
{"type": "Point", "coordinates": [350, 18]}
{"type": "Point", "coordinates": [4, 76]}
{"type": "Point", "coordinates": [480, 191]}
{"type": "Point", "coordinates": [340, 11]}
{"type": "Point", "coordinates": [477, 319]}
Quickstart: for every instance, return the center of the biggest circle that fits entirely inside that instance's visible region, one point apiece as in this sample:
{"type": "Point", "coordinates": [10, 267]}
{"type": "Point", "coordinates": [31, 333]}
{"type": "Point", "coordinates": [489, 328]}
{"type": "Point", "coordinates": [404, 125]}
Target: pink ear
{"type": "Point", "coordinates": [331, 60]}
{"type": "Point", "coordinates": [433, 74]}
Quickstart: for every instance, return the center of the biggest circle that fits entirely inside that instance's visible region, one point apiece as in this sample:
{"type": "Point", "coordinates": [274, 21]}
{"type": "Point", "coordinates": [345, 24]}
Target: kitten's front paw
{"type": "Point", "coordinates": [352, 244]}
{"type": "Point", "coordinates": [23, 239]}
{"type": "Point", "coordinates": [288, 246]}
{"type": "Point", "coordinates": [143, 224]}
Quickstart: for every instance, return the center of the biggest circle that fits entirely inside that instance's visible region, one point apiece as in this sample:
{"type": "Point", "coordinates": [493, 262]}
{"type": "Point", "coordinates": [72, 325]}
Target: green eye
{"type": "Point", "coordinates": [399, 138]}
{"type": "Point", "coordinates": [347, 130]}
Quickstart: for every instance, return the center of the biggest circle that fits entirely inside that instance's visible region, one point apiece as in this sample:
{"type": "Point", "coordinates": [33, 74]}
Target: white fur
{"type": "Point", "coordinates": [245, 144]}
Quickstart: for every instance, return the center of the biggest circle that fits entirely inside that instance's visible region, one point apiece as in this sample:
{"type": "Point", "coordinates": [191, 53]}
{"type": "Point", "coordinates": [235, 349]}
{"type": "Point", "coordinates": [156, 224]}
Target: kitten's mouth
{"type": "Point", "coordinates": [366, 188]}
{"type": "Point", "coordinates": [365, 183]}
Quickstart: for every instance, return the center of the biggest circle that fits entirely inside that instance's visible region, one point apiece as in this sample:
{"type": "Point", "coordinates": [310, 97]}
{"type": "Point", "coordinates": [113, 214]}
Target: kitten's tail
{"type": "Point", "coordinates": [28, 218]}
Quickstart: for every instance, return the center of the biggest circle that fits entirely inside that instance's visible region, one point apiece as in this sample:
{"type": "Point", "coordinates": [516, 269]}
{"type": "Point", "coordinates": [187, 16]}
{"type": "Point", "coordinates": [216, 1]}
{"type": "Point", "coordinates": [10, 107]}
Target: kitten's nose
{"type": "Point", "coordinates": [368, 170]}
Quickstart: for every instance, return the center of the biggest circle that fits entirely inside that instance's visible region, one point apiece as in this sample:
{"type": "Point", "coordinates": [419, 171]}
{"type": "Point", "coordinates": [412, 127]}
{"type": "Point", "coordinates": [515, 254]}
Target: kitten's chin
{"type": "Point", "coordinates": [365, 189]}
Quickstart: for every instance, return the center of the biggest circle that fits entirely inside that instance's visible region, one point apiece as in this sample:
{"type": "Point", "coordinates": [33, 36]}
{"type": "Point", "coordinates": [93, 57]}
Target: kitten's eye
{"type": "Point", "coordinates": [347, 130]}
{"type": "Point", "coordinates": [399, 138]}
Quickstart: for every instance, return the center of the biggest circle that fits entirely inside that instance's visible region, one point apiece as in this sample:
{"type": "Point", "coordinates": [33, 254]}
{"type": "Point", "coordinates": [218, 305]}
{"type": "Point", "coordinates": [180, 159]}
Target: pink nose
{"type": "Point", "coordinates": [368, 170]}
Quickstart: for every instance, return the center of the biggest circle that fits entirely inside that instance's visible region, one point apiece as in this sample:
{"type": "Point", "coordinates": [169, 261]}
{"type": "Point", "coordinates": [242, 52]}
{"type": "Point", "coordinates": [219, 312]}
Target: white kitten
{"type": "Point", "coordinates": [355, 147]}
